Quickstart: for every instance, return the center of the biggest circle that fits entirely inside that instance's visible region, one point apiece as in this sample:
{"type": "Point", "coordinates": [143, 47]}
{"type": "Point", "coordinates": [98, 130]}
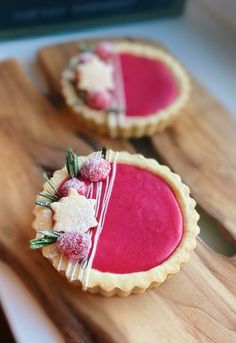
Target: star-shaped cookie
{"type": "Point", "coordinates": [74, 212]}
{"type": "Point", "coordinates": [94, 75]}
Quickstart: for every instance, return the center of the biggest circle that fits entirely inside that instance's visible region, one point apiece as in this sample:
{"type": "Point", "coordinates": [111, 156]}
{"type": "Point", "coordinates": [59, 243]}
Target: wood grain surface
{"type": "Point", "coordinates": [196, 305]}
{"type": "Point", "coordinates": [200, 146]}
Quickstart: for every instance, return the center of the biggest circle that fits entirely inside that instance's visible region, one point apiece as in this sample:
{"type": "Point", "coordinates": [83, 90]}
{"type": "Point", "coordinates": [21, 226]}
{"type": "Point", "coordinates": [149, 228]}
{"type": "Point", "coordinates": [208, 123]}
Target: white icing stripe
{"type": "Point", "coordinates": [89, 265]}
{"type": "Point", "coordinates": [119, 89]}
{"type": "Point", "coordinates": [88, 192]}
{"type": "Point", "coordinates": [74, 271]}
{"type": "Point", "coordinates": [98, 189]}
{"type": "Point", "coordinates": [117, 119]}
{"type": "Point", "coordinates": [105, 203]}
{"type": "Point", "coordinates": [91, 191]}
{"type": "Point", "coordinates": [68, 269]}
{"type": "Point", "coordinates": [82, 270]}
{"type": "Point", "coordinates": [98, 197]}
{"type": "Point", "coordinates": [59, 263]}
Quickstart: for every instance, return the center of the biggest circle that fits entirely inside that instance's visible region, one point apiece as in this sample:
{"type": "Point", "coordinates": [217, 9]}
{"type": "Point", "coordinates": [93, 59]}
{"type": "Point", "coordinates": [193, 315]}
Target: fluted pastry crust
{"type": "Point", "coordinates": [133, 126]}
{"type": "Point", "coordinates": [109, 284]}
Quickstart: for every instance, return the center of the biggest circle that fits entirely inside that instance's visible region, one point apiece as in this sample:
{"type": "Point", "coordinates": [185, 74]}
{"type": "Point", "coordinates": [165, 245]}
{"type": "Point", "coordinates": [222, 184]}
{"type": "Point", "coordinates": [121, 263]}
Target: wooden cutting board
{"type": "Point", "coordinates": [196, 305]}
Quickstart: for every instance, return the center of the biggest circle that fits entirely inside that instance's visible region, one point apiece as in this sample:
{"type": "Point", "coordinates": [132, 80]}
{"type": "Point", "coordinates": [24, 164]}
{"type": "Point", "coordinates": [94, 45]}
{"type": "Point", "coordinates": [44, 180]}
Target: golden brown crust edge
{"type": "Point", "coordinates": [134, 126]}
{"type": "Point", "coordinates": [108, 284]}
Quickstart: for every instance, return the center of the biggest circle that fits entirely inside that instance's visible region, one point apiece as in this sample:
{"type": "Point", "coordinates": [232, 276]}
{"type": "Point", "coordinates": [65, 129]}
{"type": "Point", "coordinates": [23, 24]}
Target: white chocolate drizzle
{"type": "Point", "coordinates": [118, 119]}
{"type": "Point", "coordinates": [68, 269]}
{"type": "Point", "coordinates": [60, 263]}
{"type": "Point", "coordinates": [74, 270]}
{"type": "Point", "coordinates": [84, 275]}
{"type": "Point", "coordinates": [84, 272]}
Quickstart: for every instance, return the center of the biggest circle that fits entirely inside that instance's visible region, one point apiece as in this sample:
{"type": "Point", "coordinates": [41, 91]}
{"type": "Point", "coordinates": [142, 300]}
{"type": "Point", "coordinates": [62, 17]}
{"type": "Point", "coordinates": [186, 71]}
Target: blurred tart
{"type": "Point", "coordinates": [115, 223]}
{"type": "Point", "coordinates": [125, 88]}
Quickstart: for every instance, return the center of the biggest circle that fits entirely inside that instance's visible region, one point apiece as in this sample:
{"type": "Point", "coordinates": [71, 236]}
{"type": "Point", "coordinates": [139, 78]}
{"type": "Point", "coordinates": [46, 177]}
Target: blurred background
{"type": "Point", "coordinates": [37, 17]}
{"type": "Point", "coordinates": [30, 17]}
{"type": "Point", "coordinates": [201, 33]}
{"type": "Point", "coordinates": [190, 29]}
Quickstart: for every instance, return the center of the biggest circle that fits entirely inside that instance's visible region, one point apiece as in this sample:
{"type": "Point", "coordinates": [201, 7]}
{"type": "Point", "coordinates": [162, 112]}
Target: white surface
{"type": "Point", "coordinates": [27, 319]}
{"type": "Point", "coordinates": [204, 47]}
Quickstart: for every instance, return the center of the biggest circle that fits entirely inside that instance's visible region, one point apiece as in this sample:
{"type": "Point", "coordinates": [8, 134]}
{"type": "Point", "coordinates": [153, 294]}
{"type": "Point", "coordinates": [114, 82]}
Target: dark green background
{"type": "Point", "coordinates": [22, 17]}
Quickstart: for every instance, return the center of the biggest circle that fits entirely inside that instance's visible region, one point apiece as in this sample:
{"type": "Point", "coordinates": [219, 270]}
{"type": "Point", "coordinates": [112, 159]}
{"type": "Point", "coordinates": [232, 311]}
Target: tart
{"type": "Point", "coordinates": [115, 223]}
{"type": "Point", "coordinates": [125, 88]}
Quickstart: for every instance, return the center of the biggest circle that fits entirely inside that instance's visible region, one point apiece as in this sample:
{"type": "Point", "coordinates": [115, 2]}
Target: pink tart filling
{"type": "Point", "coordinates": [149, 85]}
{"type": "Point", "coordinates": [143, 224]}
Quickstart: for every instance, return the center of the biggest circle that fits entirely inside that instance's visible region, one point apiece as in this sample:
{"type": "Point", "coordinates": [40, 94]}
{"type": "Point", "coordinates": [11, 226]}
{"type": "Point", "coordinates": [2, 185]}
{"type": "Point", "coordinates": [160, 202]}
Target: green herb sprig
{"type": "Point", "coordinates": [72, 163]}
{"type": "Point", "coordinates": [104, 152]}
{"type": "Point", "coordinates": [43, 203]}
{"type": "Point", "coordinates": [49, 237]}
{"type": "Point", "coordinates": [49, 182]}
{"type": "Point", "coordinates": [50, 195]}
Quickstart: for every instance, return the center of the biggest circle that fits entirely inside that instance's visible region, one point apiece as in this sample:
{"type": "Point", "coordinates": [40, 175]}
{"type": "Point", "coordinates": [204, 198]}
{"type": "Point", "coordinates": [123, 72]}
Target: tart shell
{"type": "Point", "coordinates": [102, 122]}
{"type": "Point", "coordinates": [109, 284]}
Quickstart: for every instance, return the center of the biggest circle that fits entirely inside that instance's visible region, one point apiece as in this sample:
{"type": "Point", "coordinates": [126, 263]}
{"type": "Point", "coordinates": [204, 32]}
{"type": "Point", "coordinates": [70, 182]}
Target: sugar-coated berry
{"type": "Point", "coordinates": [104, 50]}
{"type": "Point", "coordinates": [74, 245]}
{"type": "Point", "coordinates": [81, 187]}
{"type": "Point", "coordinates": [95, 169]}
{"type": "Point", "coordinates": [99, 99]}
{"type": "Point", "coordinates": [86, 57]}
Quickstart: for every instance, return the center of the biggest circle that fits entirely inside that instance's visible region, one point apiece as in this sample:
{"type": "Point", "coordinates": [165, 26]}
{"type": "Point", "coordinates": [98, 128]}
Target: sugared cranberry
{"type": "Point", "coordinates": [74, 245]}
{"type": "Point", "coordinates": [95, 169]}
{"type": "Point", "coordinates": [81, 187]}
{"type": "Point", "coordinates": [100, 99]}
{"type": "Point", "coordinates": [104, 50]}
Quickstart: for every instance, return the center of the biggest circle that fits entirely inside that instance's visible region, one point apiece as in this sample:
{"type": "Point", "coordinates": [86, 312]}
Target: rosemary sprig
{"type": "Point", "coordinates": [104, 151]}
{"type": "Point", "coordinates": [49, 195]}
{"type": "Point", "coordinates": [49, 182]}
{"type": "Point", "coordinates": [72, 163]}
{"type": "Point", "coordinates": [43, 203]}
{"type": "Point", "coordinates": [48, 238]}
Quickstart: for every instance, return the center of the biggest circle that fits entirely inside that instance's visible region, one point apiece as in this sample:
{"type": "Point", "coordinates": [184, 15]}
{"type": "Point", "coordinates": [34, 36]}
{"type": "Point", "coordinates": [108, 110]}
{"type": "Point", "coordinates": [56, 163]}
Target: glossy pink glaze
{"type": "Point", "coordinates": [149, 85]}
{"type": "Point", "coordinates": [143, 224]}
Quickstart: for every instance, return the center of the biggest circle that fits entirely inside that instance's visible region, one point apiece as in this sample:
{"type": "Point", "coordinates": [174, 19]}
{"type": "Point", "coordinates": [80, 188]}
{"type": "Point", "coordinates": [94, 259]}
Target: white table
{"type": "Point", "coordinates": [205, 47]}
